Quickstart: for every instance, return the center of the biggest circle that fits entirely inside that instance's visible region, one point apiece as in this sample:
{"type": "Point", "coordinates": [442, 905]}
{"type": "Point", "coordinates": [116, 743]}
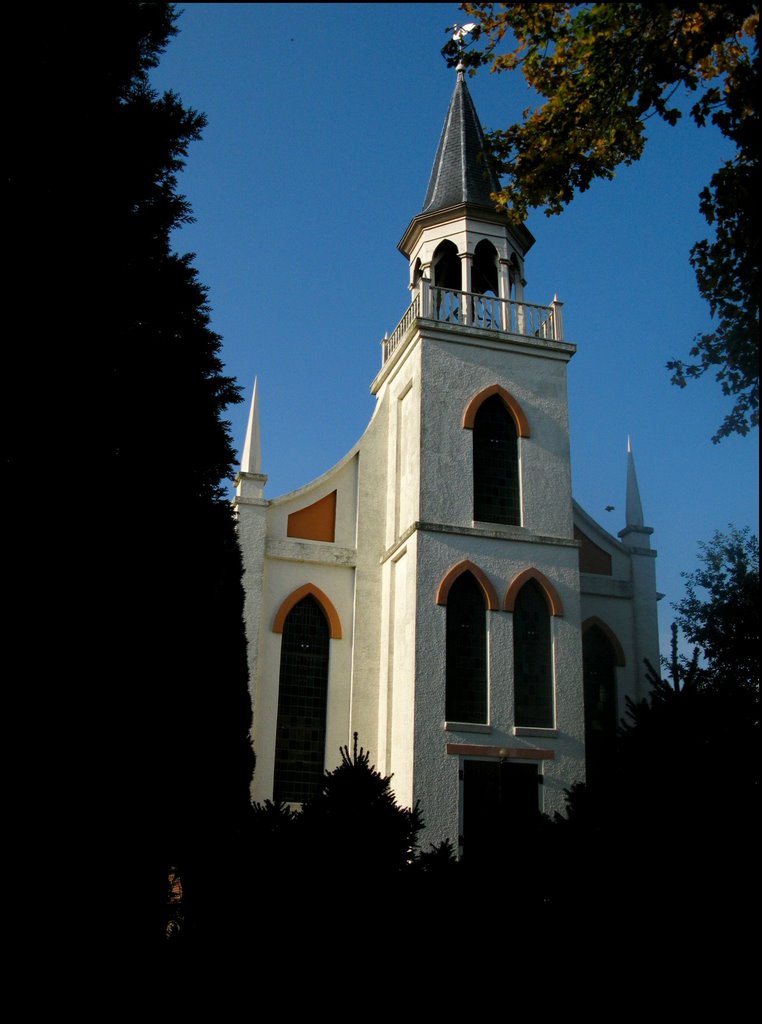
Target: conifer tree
{"type": "Point", "coordinates": [123, 570]}
{"type": "Point", "coordinates": [354, 827]}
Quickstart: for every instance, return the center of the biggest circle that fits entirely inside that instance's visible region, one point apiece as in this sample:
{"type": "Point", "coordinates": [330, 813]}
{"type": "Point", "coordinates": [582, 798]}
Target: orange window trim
{"type": "Point", "coordinates": [490, 594]}
{"type": "Point", "coordinates": [334, 622]}
{"type": "Point", "coordinates": [522, 423]}
{"type": "Point", "coordinates": [509, 603]}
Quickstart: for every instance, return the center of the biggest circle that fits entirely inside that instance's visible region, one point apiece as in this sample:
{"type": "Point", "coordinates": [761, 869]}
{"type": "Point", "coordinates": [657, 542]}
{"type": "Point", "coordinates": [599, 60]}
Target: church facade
{"type": "Point", "coordinates": [439, 592]}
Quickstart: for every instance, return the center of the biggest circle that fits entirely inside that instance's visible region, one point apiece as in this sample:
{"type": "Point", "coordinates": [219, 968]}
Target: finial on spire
{"type": "Point", "coordinates": [251, 460]}
{"type": "Point", "coordinates": [458, 34]}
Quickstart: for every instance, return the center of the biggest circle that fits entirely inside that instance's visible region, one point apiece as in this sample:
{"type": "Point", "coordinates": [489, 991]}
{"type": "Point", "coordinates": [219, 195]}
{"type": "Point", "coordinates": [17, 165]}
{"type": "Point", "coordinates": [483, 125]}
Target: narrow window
{"type": "Point", "coordinates": [466, 652]}
{"type": "Point", "coordinates": [599, 675]}
{"type": "Point", "coordinates": [300, 732]}
{"type": "Point", "coordinates": [533, 671]}
{"type": "Point", "coordinates": [496, 465]}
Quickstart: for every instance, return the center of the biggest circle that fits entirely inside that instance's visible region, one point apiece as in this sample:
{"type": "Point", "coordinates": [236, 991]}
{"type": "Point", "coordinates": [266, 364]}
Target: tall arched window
{"type": "Point", "coordinates": [303, 689]}
{"type": "Point", "coordinates": [599, 660]}
{"type": "Point", "coordinates": [532, 659]}
{"type": "Point", "coordinates": [496, 465]}
{"type": "Point", "coordinates": [466, 652]}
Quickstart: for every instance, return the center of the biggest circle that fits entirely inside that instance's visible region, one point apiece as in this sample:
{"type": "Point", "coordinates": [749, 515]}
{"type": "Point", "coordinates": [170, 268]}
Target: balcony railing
{"type": "Point", "coordinates": [487, 312]}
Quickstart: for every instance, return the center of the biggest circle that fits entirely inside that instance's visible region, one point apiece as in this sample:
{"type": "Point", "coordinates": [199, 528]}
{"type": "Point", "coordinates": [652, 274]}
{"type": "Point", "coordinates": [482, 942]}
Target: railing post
{"type": "Point", "coordinates": [558, 319]}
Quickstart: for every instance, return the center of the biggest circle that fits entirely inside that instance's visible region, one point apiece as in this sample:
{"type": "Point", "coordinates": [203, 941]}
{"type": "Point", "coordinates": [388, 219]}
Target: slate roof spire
{"type": "Point", "coordinates": [461, 172]}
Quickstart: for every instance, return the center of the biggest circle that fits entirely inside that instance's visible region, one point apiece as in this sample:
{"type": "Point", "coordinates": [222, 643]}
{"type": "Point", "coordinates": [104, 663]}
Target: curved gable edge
{"type": "Point", "coordinates": [595, 532]}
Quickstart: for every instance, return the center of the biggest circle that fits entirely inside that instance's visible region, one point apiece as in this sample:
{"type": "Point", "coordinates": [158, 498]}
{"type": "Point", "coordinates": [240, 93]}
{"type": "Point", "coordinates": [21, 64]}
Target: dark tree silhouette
{"type": "Point", "coordinates": [354, 828]}
{"type": "Point", "coordinates": [673, 824]}
{"type": "Point", "coordinates": [123, 572]}
{"type": "Point", "coordinates": [720, 611]}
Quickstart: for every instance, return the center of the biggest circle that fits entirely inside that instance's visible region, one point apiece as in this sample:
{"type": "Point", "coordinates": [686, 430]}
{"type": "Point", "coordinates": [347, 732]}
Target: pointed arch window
{"type": "Point", "coordinates": [601, 653]}
{"type": "Point", "coordinates": [302, 701]}
{"type": "Point", "coordinates": [532, 659]}
{"type": "Point", "coordinates": [466, 652]}
{"type": "Point", "coordinates": [496, 464]}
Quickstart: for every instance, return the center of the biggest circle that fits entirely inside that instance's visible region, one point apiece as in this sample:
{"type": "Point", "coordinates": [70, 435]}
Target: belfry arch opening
{"type": "Point", "coordinates": [484, 272]}
{"type": "Point", "coordinates": [446, 266]}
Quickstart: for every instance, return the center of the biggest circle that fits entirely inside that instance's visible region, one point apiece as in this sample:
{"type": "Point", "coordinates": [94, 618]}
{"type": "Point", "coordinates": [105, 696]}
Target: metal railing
{"type": "Point", "coordinates": [486, 312]}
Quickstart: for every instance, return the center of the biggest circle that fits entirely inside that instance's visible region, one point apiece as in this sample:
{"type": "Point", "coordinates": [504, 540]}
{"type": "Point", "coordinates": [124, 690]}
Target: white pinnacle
{"type": "Point", "coordinates": [634, 508]}
{"type": "Point", "coordinates": [251, 460]}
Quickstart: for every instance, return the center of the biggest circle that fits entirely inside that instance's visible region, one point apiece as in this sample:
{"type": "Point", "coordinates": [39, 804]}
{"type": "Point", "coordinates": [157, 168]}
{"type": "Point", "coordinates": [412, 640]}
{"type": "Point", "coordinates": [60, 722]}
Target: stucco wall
{"type": "Point", "coordinates": [453, 373]}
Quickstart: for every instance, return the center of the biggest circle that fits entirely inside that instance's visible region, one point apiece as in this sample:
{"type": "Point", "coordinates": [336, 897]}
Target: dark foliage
{"type": "Point", "coordinates": [122, 567]}
{"type": "Point", "coordinates": [354, 828]}
{"type": "Point", "coordinates": [305, 878]}
{"type": "Point", "coordinates": [720, 612]}
{"type": "Point", "coordinates": [673, 825]}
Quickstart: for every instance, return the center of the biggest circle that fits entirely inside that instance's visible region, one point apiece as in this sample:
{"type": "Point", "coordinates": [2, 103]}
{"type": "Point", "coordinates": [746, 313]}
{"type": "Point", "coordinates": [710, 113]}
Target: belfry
{"type": "Point", "coordinates": [439, 592]}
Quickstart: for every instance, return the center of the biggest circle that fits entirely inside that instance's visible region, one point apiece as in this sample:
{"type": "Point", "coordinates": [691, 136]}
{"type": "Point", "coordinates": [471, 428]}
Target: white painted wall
{"type": "Point", "coordinates": [404, 518]}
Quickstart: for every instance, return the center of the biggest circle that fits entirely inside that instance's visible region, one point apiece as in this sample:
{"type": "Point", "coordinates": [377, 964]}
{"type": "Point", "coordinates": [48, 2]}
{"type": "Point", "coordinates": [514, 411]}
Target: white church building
{"type": "Point", "coordinates": [439, 592]}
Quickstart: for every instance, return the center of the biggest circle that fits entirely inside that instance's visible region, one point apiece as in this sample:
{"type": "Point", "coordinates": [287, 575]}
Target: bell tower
{"type": "Point", "coordinates": [481, 572]}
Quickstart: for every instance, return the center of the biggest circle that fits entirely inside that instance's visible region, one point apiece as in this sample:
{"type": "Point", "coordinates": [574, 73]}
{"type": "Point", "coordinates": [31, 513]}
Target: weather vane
{"type": "Point", "coordinates": [459, 32]}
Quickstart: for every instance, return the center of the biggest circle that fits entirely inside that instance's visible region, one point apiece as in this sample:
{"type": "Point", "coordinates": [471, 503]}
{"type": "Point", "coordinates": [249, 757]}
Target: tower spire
{"type": "Point", "coordinates": [462, 172]}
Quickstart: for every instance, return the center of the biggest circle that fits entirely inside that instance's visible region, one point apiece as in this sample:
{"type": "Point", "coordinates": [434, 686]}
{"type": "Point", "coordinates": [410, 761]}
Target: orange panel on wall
{"type": "Point", "coordinates": [316, 521]}
{"type": "Point", "coordinates": [591, 557]}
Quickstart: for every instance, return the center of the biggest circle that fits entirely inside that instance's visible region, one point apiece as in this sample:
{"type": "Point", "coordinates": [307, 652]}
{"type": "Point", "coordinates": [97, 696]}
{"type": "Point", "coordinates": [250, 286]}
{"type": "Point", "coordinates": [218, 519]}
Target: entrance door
{"type": "Point", "coordinates": [500, 803]}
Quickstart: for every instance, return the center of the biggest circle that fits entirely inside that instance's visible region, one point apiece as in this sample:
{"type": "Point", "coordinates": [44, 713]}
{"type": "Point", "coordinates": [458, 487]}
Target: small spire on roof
{"type": "Point", "coordinates": [251, 460]}
{"type": "Point", "coordinates": [634, 508]}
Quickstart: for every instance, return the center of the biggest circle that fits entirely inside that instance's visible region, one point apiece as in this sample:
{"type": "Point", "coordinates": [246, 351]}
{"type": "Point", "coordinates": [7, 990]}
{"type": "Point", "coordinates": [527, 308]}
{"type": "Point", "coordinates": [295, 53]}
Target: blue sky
{"type": "Point", "coordinates": [323, 122]}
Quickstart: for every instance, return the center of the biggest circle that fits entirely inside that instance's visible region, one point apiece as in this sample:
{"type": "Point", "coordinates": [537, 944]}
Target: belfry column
{"type": "Point", "coordinates": [424, 285]}
{"type": "Point", "coordinates": [637, 539]}
{"type": "Point", "coordinates": [466, 262]}
{"type": "Point", "coordinates": [504, 291]}
{"type": "Point", "coordinates": [251, 509]}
